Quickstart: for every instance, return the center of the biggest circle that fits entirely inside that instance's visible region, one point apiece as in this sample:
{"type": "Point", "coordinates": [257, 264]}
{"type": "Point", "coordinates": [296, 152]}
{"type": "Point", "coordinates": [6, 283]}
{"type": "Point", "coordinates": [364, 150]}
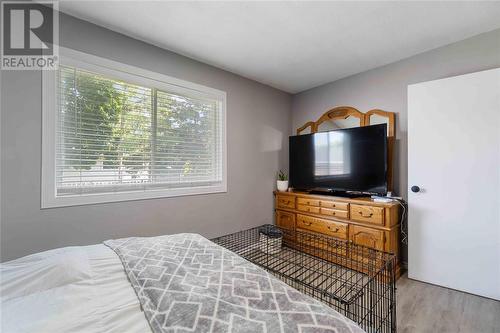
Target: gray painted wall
{"type": "Point", "coordinates": [386, 88]}
{"type": "Point", "coordinates": [258, 126]}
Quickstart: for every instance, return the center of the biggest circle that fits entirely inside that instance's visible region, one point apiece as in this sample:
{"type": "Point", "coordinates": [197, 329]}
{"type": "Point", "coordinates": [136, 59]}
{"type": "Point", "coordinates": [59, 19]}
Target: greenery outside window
{"type": "Point", "coordinates": [113, 132]}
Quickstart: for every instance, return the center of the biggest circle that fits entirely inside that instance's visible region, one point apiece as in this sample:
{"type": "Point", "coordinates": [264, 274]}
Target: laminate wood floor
{"type": "Point", "coordinates": [425, 308]}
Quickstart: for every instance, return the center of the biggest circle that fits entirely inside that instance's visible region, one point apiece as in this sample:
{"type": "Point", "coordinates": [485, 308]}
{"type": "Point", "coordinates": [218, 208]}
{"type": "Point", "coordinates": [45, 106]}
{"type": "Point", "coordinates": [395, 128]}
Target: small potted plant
{"type": "Point", "coordinates": [282, 183]}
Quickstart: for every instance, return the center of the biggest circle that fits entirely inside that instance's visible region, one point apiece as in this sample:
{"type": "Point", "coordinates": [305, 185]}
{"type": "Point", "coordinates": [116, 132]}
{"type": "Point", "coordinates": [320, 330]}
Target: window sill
{"type": "Point", "coordinates": [91, 199]}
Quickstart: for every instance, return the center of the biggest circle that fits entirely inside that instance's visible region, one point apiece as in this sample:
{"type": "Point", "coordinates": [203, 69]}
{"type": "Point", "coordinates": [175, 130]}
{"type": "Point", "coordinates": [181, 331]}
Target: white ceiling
{"type": "Point", "coordinates": [293, 46]}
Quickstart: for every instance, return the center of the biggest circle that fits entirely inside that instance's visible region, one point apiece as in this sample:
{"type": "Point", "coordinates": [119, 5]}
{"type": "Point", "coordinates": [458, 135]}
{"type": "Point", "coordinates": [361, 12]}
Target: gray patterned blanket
{"type": "Point", "coordinates": [186, 283]}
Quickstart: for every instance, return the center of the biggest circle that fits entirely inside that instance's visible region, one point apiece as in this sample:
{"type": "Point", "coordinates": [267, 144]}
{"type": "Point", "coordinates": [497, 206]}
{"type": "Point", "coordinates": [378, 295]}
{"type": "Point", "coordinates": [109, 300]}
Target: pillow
{"type": "Point", "coordinates": [43, 271]}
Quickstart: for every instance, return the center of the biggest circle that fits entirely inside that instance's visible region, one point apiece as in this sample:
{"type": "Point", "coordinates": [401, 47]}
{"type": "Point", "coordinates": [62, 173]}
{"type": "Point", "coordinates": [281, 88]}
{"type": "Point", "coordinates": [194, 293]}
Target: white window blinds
{"type": "Point", "coordinates": [114, 136]}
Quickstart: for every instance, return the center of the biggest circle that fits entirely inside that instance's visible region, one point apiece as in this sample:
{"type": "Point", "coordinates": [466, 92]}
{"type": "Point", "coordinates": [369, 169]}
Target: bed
{"type": "Point", "coordinates": [173, 283]}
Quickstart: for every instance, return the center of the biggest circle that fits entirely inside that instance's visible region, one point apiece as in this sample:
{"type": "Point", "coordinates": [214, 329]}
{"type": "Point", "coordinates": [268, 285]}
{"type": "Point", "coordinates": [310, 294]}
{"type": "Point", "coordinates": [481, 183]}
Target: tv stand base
{"type": "Point", "coordinates": [341, 194]}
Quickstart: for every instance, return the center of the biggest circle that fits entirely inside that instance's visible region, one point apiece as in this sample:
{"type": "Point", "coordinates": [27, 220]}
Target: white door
{"type": "Point", "coordinates": [454, 157]}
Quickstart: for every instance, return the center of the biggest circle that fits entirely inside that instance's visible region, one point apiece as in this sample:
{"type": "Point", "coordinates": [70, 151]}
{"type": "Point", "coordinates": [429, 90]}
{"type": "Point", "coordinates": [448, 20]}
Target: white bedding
{"type": "Point", "coordinates": [72, 289]}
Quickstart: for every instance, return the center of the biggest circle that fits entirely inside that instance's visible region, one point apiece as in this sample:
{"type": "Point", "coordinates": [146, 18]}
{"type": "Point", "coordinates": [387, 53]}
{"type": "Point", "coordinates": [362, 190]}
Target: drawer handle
{"type": "Point", "coordinates": [363, 215]}
{"type": "Point", "coordinates": [306, 223]}
{"type": "Point", "coordinates": [334, 230]}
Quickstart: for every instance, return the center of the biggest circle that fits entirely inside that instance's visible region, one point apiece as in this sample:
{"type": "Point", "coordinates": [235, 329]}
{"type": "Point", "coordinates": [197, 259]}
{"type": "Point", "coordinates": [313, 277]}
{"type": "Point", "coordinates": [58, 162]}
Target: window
{"type": "Point", "coordinates": [114, 132]}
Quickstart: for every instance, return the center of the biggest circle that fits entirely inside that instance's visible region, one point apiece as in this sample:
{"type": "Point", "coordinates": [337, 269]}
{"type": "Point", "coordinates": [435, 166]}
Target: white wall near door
{"type": "Point", "coordinates": [454, 157]}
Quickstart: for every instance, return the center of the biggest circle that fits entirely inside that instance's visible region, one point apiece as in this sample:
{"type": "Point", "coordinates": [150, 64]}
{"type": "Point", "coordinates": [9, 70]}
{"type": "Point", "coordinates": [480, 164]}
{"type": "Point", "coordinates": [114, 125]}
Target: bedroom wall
{"type": "Point", "coordinates": [386, 88]}
{"type": "Point", "coordinates": [258, 125]}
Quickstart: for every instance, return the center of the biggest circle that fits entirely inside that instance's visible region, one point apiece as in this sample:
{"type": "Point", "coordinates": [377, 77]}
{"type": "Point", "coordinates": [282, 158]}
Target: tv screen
{"type": "Point", "coordinates": [347, 160]}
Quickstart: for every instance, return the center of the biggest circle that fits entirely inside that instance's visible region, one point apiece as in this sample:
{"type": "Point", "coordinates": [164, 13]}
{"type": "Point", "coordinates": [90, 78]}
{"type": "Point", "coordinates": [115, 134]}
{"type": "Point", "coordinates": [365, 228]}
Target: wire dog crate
{"type": "Point", "coordinates": [357, 281]}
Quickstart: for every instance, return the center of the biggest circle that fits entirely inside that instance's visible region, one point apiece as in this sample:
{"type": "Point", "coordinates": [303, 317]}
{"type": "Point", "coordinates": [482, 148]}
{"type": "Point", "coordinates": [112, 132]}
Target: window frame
{"type": "Point", "coordinates": [134, 75]}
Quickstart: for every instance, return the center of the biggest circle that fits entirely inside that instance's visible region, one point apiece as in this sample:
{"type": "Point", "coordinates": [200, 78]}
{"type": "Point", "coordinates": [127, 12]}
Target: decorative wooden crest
{"type": "Point", "coordinates": [344, 112]}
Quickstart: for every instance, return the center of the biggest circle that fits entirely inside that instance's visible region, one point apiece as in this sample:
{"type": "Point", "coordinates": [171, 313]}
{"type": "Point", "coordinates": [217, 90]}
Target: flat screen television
{"type": "Point", "coordinates": [346, 161]}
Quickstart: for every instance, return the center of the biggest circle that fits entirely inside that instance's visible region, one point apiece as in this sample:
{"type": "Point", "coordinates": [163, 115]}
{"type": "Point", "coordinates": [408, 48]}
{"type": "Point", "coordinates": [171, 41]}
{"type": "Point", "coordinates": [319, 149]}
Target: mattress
{"type": "Point", "coordinates": [72, 289]}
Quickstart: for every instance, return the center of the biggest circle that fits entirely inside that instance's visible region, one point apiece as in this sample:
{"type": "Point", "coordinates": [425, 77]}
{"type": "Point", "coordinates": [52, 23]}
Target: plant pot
{"type": "Point", "coordinates": [282, 185]}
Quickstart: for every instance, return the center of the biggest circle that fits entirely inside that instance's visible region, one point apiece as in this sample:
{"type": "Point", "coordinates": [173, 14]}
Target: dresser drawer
{"type": "Point", "coordinates": [330, 228]}
{"type": "Point", "coordinates": [308, 209]}
{"type": "Point", "coordinates": [368, 214]}
{"type": "Point", "coordinates": [285, 201]}
{"type": "Point", "coordinates": [285, 220]}
{"type": "Point", "coordinates": [334, 212]}
{"type": "Point", "coordinates": [308, 202]}
{"type": "Point", "coordinates": [334, 205]}
{"type": "Point", "coordinates": [368, 237]}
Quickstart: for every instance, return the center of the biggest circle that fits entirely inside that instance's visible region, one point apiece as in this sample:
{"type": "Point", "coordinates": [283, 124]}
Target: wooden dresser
{"type": "Point", "coordinates": [359, 220]}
